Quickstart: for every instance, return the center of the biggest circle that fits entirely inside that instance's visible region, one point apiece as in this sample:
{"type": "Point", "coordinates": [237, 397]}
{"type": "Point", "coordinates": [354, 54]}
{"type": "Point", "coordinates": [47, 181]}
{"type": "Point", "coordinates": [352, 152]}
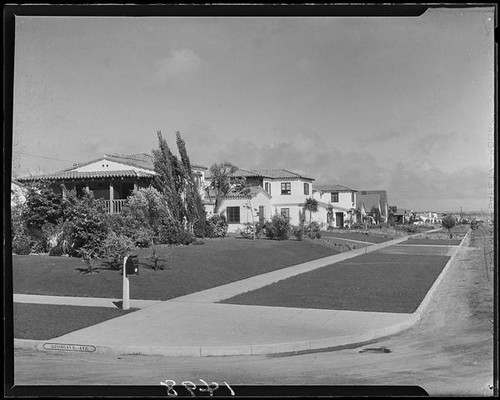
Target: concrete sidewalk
{"type": "Point", "coordinates": [80, 301]}
{"type": "Point", "coordinates": [180, 328]}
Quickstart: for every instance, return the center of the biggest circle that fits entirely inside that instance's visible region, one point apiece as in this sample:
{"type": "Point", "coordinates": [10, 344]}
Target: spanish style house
{"type": "Point", "coordinates": [111, 178]}
{"type": "Point", "coordinates": [271, 191]}
{"type": "Point", "coordinates": [336, 205]}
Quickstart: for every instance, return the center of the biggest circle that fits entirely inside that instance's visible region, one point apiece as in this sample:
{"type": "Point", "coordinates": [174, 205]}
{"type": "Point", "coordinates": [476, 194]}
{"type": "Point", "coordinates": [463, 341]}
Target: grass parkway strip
{"type": "Point", "coordinates": [378, 282]}
{"type": "Point", "coordinates": [43, 321]}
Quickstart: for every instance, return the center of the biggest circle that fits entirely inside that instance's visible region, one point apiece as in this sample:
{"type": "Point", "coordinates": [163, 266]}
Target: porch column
{"type": "Point", "coordinates": [111, 197]}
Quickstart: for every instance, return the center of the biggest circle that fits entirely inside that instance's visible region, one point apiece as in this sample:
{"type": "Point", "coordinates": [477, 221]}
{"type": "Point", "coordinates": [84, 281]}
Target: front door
{"type": "Point", "coordinates": [339, 219]}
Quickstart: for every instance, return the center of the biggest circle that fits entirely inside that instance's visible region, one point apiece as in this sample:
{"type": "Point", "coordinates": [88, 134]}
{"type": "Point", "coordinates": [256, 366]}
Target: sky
{"type": "Point", "coordinates": [404, 104]}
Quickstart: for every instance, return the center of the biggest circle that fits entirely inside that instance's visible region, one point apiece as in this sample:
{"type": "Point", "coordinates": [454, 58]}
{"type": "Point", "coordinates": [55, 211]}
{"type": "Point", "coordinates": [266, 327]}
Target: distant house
{"type": "Point", "coordinates": [17, 193]}
{"type": "Point", "coordinates": [336, 204]}
{"type": "Point", "coordinates": [272, 191]}
{"type": "Point", "coordinates": [112, 177]}
{"type": "Point", "coordinates": [427, 217]}
{"type": "Point", "coordinates": [367, 200]}
{"type": "Point", "coordinates": [402, 216]}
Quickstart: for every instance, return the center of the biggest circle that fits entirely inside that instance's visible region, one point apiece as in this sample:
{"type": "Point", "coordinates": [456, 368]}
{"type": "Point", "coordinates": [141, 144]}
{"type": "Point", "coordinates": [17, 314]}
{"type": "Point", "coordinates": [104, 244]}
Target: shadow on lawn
{"type": "Point", "coordinates": [109, 266]}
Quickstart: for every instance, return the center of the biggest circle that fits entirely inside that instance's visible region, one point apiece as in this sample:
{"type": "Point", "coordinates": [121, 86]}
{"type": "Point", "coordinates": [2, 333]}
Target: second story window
{"type": "Point", "coordinates": [306, 189]}
{"type": "Point", "coordinates": [267, 187]}
{"type": "Point", "coordinates": [286, 188]}
{"type": "Point", "coordinates": [352, 197]}
{"type": "Point", "coordinates": [335, 197]}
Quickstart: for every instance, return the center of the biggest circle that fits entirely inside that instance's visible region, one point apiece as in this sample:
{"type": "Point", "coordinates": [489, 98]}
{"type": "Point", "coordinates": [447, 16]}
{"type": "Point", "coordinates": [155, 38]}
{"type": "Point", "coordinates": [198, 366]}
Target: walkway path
{"type": "Point", "coordinates": [80, 301]}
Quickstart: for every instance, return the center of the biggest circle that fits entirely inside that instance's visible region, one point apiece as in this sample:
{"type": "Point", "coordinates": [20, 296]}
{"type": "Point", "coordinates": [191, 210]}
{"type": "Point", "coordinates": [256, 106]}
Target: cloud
{"type": "Point", "coordinates": [434, 143]}
{"type": "Point", "coordinates": [178, 63]}
{"type": "Point", "coordinates": [385, 135]}
{"type": "Point", "coordinates": [305, 64]}
{"type": "Point", "coordinates": [409, 184]}
{"type": "Point", "coordinates": [432, 188]}
{"type": "Point", "coordinates": [317, 159]}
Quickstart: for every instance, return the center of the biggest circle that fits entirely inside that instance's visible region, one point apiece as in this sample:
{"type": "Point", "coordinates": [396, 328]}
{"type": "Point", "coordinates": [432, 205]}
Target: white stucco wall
{"type": "Point", "coordinates": [345, 199]}
{"type": "Point", "coordinates": [297, 191]}
{"type": "Point", "coordinates": [246, 214]}
{"type": "Point", "coordinates": [107, 165]}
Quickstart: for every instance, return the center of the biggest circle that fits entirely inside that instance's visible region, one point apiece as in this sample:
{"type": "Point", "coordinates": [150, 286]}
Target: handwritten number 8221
{"type": "Point", "coordinates": [191, 387]}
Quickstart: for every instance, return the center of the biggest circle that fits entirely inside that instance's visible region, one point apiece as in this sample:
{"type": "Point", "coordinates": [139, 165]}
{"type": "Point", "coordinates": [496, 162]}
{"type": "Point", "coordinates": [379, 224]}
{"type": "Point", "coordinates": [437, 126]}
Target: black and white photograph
{"type": "Point", "coordinates": [229, 200]}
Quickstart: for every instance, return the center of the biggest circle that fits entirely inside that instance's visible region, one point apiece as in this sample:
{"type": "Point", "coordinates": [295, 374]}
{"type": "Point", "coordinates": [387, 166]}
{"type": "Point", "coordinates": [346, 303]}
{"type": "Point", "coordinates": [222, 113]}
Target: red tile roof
{"type": "Point", "coordinates": [265, 173]}
{"type": "Point", "coordinates": [74, 175]}
{"type": "Point", "coordinates": [280, 174]}
{"type": "Point", "coordinates": [331, 187]}
{"type": "Point", "coordinates": [139, 160]}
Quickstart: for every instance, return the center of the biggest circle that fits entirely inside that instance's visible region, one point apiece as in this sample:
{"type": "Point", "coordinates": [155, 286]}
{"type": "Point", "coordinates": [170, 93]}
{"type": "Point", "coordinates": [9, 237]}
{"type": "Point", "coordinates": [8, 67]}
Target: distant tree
{"type": "Point", "coordinates": [221, 182]}
{"type": "Point", "coordinates": [311, 205]}
{"type": "Point", "coordinates": [449, 222]}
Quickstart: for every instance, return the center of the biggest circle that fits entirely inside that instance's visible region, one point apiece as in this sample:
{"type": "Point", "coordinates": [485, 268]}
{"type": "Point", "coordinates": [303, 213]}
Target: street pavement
{"type": "Point", "coordinates": [197, 325]}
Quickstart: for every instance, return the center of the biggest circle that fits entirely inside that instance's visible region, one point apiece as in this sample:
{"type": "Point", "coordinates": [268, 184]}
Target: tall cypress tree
{"type": "Point", "coordinates": [192, 199]}
{"type": "Point", "coordinates": [167, 179]}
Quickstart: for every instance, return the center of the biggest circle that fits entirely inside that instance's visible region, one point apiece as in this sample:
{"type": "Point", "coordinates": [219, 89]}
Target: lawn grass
{"type": "Point", "coordinates": [44, 321]}
{"type": "Point", "coordinates": [190, 269]}
{"type": "Point", "coordinates": [377, 282]}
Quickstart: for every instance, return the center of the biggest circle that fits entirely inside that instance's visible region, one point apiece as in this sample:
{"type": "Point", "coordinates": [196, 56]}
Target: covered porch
{"type": "Point", "coordinates": [111, 187]}
{"type": "Point", "coordinates": [113, 193]}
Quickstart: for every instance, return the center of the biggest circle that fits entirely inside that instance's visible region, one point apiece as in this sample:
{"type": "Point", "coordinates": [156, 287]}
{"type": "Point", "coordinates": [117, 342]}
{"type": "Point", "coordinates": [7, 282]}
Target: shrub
{"type": "Point", "coordinates": [278, 228]}
{"type": "Point", "coordinates": [185, 237]}
{"type": "Point", "coordinates": [216, 226]}
{"type": "Point", "coordinates": [357, 226]}
{"type": "Point", "coordinates": [21, 244]}
{"type": "Point", "coordinates": [18, 225]}
{"type": "Point", "coordinates": [200, 228]}
{"type": "Point", "coordinates": [53, 236]}
{"type": "Point", "coordinates": [313, 227]}
{"type": "Point", "coordinates": [297, 232]}
{"type": "Point", "coordinates": [169, 231]}
{"type": "Point", "coordinates": [87, 227]}
{"type": "Point", "coordinates": [143, 237]}
{"type": "Point", "coordinates": [127, 225]}
{"type": "Point", "coordinates": [172, 232]}
{"type": "Point", "coordinates": [43, 205]}
{"type": "Point", "coordinates": [146, 206]}
{"type": "Point", "coordinates": [115, 248]}
{"type": "Point", "coordinates": [318, 235]}
{"type": "Point", "coordinates": [38, 244]}
{"type": "Point", "coordinates": [57, 250]}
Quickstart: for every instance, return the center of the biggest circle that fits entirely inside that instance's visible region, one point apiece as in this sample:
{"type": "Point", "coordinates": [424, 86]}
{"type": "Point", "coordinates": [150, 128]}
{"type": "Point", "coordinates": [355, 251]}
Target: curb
{"type": "Point", "coordinates": [212, 351]}
{"type": "Point", "coordinates": [428, 297]}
